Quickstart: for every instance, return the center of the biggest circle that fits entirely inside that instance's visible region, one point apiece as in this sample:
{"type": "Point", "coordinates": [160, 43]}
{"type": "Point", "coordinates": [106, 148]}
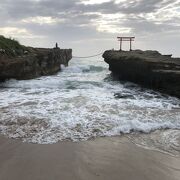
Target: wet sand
{"type": "Point", "coordinates": [101, 159]}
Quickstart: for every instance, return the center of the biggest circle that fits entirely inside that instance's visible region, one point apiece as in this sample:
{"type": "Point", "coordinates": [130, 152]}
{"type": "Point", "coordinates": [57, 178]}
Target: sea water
{"type": "Point", "coordinates": [82, 102]}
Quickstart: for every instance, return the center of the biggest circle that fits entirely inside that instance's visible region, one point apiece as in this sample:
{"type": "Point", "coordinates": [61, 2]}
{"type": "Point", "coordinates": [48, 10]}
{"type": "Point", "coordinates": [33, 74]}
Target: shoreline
{"type": "Point", "coordinates": [102, 158]}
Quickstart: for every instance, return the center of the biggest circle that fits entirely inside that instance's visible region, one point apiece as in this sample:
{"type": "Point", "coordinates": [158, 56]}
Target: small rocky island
{"type": "Point", "coordinates": [21, 62]}
{"type": "Point", "coordinates": [147, 68]}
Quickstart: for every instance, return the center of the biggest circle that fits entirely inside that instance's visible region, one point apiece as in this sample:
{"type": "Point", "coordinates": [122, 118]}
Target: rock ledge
{"type": "Point", "coordinates": [35, 62]}
{"type": "Point", "coordinates": [147, 68]}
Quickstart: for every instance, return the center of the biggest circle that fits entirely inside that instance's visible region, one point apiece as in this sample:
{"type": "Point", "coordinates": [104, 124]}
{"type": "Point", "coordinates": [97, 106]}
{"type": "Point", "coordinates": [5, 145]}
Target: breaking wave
{"type": "Point", "coordinates": [81, 103]}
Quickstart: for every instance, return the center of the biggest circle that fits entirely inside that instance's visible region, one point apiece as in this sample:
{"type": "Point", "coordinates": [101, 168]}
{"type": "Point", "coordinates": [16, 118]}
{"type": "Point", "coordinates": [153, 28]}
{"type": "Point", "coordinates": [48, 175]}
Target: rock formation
{"type": "Point", "coordinates": [147, 68]}
{"type": "Point", "coordinates": [33, 62]}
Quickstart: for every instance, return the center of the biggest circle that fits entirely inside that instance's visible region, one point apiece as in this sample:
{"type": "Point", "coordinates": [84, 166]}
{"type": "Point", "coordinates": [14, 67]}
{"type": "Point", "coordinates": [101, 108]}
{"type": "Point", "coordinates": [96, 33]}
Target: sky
{"type": "Point", "coordinates": [92, 26]}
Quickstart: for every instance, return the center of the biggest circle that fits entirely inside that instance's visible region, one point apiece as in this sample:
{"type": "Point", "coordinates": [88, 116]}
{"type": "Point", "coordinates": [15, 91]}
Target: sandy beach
{"type": "Point", "coordinates": [112, 158]}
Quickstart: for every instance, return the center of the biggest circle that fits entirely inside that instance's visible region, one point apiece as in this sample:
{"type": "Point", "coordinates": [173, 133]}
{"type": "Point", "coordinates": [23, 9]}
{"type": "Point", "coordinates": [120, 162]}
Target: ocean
{"type": "Point", "coordinates": [83, 102]}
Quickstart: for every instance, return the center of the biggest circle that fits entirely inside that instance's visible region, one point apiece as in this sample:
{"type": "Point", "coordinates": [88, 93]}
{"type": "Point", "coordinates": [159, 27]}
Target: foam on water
{"type": "Point", "coordinates": [166, 141]}
{"type": "Point", "coordinates": [80, 103]}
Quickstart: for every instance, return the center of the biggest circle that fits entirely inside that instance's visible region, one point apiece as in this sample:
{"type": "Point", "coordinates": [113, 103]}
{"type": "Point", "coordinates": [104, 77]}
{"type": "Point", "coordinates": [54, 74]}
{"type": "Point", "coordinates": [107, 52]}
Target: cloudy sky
{"type": "Point", "coordinates": [91, 26]}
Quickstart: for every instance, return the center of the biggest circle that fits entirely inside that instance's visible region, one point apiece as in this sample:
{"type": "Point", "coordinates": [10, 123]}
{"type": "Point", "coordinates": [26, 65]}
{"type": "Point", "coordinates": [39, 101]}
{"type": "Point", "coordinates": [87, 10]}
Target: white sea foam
{"type": "Point", "coordinates": [80, 103]}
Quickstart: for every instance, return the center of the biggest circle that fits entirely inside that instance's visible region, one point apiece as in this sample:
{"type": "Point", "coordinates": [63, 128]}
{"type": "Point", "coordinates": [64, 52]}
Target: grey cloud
{"type": "Point", "coordinates": [76, 13]}
{"type": "Point", "coordinates": [79, 17]}
{"type": "Point", "coordinates": [134, 7]}
{"type": "Point", "coordinates": [21, 9]}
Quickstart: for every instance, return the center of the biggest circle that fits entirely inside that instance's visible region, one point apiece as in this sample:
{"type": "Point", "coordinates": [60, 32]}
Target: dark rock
{"type": "Point", "coordinates": [37, 62]}
{"type": "Point", "coordinates": [123, 96]}
{"type": "Point", "coordinates": [147, 68]}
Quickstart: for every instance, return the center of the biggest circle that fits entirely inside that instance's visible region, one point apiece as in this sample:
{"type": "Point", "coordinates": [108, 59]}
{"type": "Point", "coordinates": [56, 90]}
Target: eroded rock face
{"type": "Point", "coordinates": [36, 62]}
{"type": "Point", "coordinates": [148, 68]}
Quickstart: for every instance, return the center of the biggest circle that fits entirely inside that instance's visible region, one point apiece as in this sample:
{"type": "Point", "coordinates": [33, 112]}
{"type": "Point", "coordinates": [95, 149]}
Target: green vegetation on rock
{"type": "Point", "coordinates": [11, 47]}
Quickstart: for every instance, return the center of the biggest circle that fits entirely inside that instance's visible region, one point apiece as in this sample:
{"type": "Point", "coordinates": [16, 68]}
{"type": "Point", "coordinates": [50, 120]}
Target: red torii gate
{"type": "Point", "coordinates": [130, 39]}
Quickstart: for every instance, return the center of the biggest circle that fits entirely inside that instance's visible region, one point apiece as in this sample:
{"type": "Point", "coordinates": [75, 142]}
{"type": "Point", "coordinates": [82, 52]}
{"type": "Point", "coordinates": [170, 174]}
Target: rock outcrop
{"type": "Point", "coordinates": [33, 63]}
{"type": "Point", "coordinates": [147, 68]}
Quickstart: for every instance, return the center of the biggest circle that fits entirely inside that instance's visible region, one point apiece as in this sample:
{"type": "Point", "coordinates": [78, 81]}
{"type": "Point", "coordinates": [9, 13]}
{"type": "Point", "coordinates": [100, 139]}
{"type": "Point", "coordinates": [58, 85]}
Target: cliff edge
{"type": "Point", "coordinates": [147, 68]}
{"type": "Point", "coordinates": [20, 62]}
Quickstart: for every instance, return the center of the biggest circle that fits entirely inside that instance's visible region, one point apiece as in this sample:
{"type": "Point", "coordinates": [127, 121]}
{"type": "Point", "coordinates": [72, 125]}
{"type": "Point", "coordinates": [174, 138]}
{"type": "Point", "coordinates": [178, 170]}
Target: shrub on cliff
{"type": "Point", "coordinates": [11, 47]}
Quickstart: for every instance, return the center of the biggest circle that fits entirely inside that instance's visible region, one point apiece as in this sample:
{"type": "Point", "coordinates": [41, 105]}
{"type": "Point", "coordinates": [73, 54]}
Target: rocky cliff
{"type": "Point", "coordinates": [148, 68]}
{"type": "Point", "coordinates": [33, 62]}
